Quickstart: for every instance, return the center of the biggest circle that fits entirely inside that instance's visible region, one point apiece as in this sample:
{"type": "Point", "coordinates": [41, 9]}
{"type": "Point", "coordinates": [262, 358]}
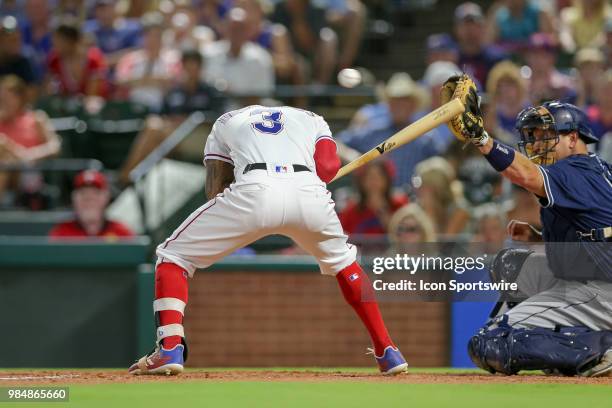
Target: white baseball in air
{"type": "Point", "coordinates": [349, 77]}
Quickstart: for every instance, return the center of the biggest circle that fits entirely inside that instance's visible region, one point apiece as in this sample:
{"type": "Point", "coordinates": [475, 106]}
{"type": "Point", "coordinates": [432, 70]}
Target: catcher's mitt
{"type": "Point", "coordinates": [468, 125]}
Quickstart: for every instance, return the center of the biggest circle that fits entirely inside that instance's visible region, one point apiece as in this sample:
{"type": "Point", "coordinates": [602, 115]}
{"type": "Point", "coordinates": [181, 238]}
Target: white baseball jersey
{"type": "Point", "coordinates": [261, 202]}
{"type": "Point", "coordinates": [260, 134]}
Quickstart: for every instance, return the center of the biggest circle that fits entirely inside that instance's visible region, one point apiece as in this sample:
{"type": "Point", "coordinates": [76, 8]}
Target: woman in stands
{"type": "Point", "coordinates": [26, 136]}
{"type": "Point", "coordinates": [376, 204]}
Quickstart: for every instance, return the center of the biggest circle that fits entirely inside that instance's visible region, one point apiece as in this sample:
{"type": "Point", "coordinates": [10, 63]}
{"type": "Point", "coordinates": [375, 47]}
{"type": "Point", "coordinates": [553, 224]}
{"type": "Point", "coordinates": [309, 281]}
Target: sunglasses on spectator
{"type": "Point", "coordinates": [402, 229]}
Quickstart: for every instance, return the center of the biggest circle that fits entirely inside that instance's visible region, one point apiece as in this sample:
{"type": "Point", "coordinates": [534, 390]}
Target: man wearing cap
{"type": "Point", "coordinates": [441, 47]}
{"type": "Point", "coordinates": [405, 102]}
{"type": "Point", "coordinates": [90, 198]}
{"type": "Point", "coordinates": [476, 58]}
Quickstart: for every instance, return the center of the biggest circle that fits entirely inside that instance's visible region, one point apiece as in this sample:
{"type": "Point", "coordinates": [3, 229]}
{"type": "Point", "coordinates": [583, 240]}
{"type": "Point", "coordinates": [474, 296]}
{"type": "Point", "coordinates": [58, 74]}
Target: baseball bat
{"type": "Point", "coordinates": [411, 132]}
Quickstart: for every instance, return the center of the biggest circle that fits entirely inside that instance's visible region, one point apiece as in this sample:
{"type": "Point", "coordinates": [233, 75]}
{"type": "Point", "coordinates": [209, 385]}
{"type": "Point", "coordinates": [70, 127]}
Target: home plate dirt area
{"type": "Point", "coordinates": [106, 376]}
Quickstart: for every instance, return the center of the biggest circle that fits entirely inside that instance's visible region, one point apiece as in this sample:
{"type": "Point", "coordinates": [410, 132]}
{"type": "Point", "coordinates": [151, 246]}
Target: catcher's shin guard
{"type": "Point", "coordinates": [570, 351]}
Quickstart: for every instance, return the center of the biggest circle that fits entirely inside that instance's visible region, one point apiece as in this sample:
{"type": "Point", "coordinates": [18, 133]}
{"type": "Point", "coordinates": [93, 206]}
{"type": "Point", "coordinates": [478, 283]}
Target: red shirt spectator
{"type": "Point", "coordinates": [93, 70]}
{"type": "Point", "coordinates": [376, 205]}
{"type": "Point", "coordinates": [90, 199]}
{"type": "Point", "coordinates": [74, 68]}
{"type": "Point", "coordinates": [363, 220]}
{"type": "Point", "coordinates": [74, 229]}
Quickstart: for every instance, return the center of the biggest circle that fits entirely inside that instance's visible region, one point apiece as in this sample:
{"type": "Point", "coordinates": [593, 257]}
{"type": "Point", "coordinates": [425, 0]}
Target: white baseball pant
{"type": "Point", "coordinates": [260, 203]}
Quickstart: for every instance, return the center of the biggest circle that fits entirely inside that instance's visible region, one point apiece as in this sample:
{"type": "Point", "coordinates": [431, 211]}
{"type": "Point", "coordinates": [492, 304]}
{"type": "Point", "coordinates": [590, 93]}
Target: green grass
{"type": "Point", "coordinates": [336, 394]}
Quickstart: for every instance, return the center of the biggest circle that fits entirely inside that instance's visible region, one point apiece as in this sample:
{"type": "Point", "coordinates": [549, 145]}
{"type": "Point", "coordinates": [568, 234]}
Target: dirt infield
{"type": "Point", "coordinates": [68, 377]}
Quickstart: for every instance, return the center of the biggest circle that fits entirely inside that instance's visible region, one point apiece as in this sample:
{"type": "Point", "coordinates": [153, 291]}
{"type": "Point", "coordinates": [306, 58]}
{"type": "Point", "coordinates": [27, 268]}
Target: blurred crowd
{"type": "Point", "coordinates": [177, 57]}
{"type": "Point", "coordinates": [521, 53]}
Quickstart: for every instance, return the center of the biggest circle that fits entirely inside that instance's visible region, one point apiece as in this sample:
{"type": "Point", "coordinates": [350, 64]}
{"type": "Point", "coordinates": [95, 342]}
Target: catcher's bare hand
{"type": "Point", "coordinates": [522, 231]}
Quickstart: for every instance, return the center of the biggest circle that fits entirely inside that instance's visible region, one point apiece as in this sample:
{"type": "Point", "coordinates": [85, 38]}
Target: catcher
{"type": "Point", "coordinates": [565, 324]}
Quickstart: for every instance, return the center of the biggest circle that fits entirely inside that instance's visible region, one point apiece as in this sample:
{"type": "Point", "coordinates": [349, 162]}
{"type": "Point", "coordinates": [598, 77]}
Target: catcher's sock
{"type": "Point", "coordinates": [357, 291]}
{"type": "Point", "coordinates": [170, 298]}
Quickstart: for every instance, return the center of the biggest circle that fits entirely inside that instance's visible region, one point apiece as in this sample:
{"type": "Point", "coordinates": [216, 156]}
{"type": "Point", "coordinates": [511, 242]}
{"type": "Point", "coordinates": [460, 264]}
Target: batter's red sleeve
{"type": "Point", "coordinates": [326, 159]}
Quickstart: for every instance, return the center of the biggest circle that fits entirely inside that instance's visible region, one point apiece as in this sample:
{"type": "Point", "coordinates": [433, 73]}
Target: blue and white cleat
{"type": "Point", "coordinates": [160, 362]}
{"type": "Point", "coordinates": [391, 362]}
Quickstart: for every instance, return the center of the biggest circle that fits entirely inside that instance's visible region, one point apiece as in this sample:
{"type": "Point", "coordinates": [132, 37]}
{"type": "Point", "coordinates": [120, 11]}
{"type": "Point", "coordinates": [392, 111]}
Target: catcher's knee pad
{"type": "Point", "coordinates": [507, 350]}
{"type": "Point", "coordinates": [507, 264]}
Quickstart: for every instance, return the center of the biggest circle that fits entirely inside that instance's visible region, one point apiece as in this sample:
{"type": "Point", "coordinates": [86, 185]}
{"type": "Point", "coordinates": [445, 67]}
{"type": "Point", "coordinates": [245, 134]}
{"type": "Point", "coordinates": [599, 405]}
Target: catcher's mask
{"type": "Point", "coordinates": [539, 136]}
{"type": "Point", "coordinates": [541, 126]}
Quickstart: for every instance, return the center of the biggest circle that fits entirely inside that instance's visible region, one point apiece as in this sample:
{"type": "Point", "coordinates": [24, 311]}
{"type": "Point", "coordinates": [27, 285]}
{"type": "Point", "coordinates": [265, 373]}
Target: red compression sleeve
{"type": "Point", "coordinates": [326, 159]}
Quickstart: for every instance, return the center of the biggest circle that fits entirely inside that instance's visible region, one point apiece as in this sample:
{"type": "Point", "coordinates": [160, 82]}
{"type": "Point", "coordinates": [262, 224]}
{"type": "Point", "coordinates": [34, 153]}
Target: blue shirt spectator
{"type": "Point", "coordinates": [517, 26]}
{"type": "Point", "coordinates": [36, 30]}
{"type": "Point", "coordinates": [405, 158]}
{"type": "Point", "coordinates": [122, 35]}
{"type": "Point", "coordinates": [476, 58]}
{"type": "Point", "coordinates": [113, 35]}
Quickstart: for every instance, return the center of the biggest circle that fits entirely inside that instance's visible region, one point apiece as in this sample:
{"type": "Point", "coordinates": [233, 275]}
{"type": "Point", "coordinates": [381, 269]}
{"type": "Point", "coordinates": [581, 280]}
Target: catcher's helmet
{"type": "Point", "coordinates": [553, 119]}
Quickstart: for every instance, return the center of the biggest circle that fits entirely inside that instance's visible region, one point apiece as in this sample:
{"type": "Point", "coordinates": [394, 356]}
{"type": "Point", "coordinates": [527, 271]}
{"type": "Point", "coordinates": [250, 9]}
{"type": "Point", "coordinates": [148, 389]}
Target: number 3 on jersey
{"type": "Point", "coordinates": [271, 123]}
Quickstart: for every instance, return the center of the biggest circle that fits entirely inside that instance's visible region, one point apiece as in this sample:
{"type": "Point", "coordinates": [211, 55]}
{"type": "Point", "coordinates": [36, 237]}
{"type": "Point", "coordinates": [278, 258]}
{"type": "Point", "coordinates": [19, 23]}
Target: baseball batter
{"type": "Point", "coordinates": [565, 326]}
{"type": "Point", "coordinates": [266, 174]}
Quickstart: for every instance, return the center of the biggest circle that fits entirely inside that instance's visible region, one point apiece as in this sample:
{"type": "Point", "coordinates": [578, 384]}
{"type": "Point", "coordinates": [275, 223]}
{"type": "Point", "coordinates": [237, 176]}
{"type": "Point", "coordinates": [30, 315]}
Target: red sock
{"type": "Point", "coordinates": [358, 292]}
{"type": "Point", "coordinates": [170, 282]}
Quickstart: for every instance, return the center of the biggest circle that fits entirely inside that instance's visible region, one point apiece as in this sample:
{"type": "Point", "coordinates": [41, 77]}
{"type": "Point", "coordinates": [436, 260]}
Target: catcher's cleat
{"type": "Point", "coordinates": [392, 362]}
{"type": "Point", "coordinates": [160, 362]}
{"type": "Point", "coordinates": [603, 369]}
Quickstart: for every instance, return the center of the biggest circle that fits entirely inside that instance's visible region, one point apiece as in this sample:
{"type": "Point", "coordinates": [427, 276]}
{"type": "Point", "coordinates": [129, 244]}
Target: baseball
{"type": "Point", "coordinates": [349, 77]}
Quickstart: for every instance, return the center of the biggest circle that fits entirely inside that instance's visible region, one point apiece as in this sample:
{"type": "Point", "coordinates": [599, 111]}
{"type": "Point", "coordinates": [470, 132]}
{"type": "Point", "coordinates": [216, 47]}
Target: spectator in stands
{"type": "Point", "coordinates": [348, 17]}
{"type": "Point", "coordinates": [147, 73]}
{"type": "Point", "coordinates": [36, 30]}
{"type": "Point", "coordinates": [490, 228]}
{"type": "Point", "coordinates": [600, 116]}
{"type": "Point", "coordinates": [376, 201]}
{"type": "Point", "coordinates": [114, 35]}
{"type": "Point", "coordinates": [511, 22]}
{"type": "Point", "coordinates": [75, 69]}
{"type": "Point", "coordinates": [191, 94]}
{"type": "Point", "coordinates": [479, 181]}
{"type": "Point", "coordinates": [312, 38]}
{"type": "Point", "coordinates": [440, 195]}
{"type": "Point", "coordinates": [26, 136]}
{"type": "Point", "coordinates": [237, 65]}
{"type": "Point", "coordinates": [435, 75]}
{"type": "Point", "coordinates": [14, 59]}
{"type": "Point", "coordinates": [373, 124]}
{"type": "Point", "coordinates": [583, 24]}
{"type": "Point", "coordinates": [475, 56]}
{"type": "Point", "coordinates": [441, 47]}
{"type": "Point", "coordinates": [90, 198]}
{"type": "Point", "coordinates": [275, 38]}
{"type": "Point", "coordinates": [590, 64]}
{"type": "Point", "coordinates": [546, 82]}
{"type": "Point", "coordinates": [507, 96]}
{"type": "Point", "coordinates": [410, 229]}
{"type": "Point", "coordinates": [211, 13]}
{"type": "Point", "coordinates": [185, 32]}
